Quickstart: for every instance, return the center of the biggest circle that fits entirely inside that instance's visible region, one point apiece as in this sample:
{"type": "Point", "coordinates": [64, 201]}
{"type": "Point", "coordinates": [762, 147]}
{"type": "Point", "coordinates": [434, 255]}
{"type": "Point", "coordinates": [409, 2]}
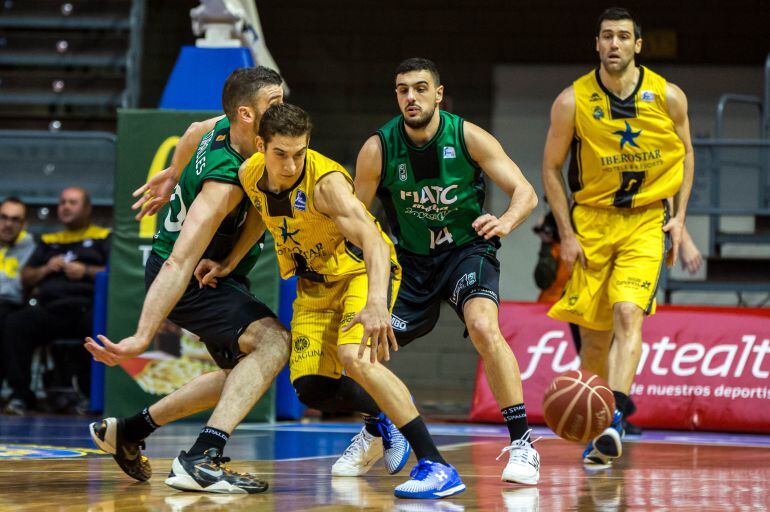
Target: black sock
{"type": "Point", "coordinates": [621, 401]}
{"type": "Point", "coordinates": [515, 418]}
{"type": "Point", "coordinates": [209, 438]}
{"type": "Point", "coordinates": [424, 448]}
{"type": "Point", "coordinates": [370, 424]}
{"type": "Point", "coordinates": [138, 426]}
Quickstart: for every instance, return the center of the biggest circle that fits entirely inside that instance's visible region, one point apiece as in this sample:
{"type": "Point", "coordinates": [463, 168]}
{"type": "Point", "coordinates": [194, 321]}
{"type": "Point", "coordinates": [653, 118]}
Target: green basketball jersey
{"type": "Point", "coordinates": [433, 193]}
{"type": "Point", "coordinates": [215, 159]}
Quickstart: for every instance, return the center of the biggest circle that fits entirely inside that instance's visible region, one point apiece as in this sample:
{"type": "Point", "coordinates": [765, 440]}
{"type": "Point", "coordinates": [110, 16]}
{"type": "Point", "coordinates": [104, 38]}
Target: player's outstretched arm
{"type": "Point", "coordinates": [676, 103]}
{"type": "Point", "coordinates": [157, 191]}
{"type": "Point", "coordinates": [557, 143]}
{"type": "Point", "coordinates": [496, 164]}
{"type": "Point", "coordinates": [252, 230]}
{"type": "Point", "coordinates": [368, 170]}
{"type": "Point", "coordinates": [204, 216]}
{"type": "Point", "coordinates": [333, 196]}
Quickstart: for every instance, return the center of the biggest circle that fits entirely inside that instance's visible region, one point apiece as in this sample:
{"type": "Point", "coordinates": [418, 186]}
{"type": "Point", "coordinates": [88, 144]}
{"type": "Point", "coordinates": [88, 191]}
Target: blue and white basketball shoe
{"type": "Point", "coordinates": [366, 449]}
{"type": "Point", "coordinates": [431, 480]}
{"type": "Point", "coordinates": [607, 446]}
{"type": "Point", "coordinates": [395, 447]}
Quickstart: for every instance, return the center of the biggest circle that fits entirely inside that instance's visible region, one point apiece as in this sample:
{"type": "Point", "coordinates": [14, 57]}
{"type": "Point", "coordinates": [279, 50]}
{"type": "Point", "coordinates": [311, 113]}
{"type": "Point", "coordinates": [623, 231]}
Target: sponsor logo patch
{"type": "Point", "coordinates": [301, 343]}
{"type": "Point", "coordinates": [397, 323]}
{"type": "Point", "coordinates": [300, 201]}
{"type": "Point", "coordinates": [346, 318]}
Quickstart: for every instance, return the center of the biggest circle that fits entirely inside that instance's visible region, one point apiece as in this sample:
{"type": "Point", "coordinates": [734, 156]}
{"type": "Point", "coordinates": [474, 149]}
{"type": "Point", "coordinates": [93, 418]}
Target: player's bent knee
{"type": "Point", "coordinates": [348, 355]}
{"type": "Point", "coordinates": [265, 330]}
{"type": "Point", "coordinates": [485, 333]}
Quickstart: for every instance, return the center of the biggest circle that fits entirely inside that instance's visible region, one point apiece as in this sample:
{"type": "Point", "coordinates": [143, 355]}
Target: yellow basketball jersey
{"type": "Point", "coordinates": [307, 242]}
{"type": "Point", "coordinates": [626, 152]}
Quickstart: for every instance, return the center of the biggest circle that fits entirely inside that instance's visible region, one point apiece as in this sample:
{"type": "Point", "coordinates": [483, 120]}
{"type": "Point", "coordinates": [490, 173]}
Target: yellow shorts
{"type": "Point", "coordinates": [321, 310]}
{"type": "Point", "coordinates": [625, 251]}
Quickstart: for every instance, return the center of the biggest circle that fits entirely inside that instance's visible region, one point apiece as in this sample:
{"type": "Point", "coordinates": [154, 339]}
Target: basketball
{"type": "Point", "coordinates": [578, 405]}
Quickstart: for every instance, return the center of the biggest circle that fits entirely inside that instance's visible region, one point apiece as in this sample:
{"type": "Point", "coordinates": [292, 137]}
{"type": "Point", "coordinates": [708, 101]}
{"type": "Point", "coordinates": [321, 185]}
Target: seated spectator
{"type": "Point", "coordinates": [16, 246]}
{"type": "Point", "coordinates": [60, 274]}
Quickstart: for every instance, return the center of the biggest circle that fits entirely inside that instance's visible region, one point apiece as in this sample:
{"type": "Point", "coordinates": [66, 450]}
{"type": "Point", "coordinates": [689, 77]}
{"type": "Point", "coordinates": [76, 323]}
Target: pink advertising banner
{"type": "Point", "coordinates": [701, 368]}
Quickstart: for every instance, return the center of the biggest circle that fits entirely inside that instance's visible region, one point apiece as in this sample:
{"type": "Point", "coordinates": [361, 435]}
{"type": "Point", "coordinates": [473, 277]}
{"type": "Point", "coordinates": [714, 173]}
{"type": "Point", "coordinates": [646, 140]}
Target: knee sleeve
{"type": "Point", "coordinates": [342, 395]}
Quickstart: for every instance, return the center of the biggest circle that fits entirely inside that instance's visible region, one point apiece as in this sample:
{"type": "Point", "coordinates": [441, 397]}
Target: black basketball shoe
{"type": "Point", "coordinates": [209, 473]}
{"type": "Point", "coordinates": [108, 437]}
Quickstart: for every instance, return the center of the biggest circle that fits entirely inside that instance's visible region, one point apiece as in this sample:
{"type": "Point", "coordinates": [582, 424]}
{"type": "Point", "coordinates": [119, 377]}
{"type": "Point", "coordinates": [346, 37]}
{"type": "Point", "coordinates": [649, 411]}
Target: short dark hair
{"type": "Point", "coordinates": [284, 119]}
{"type": "Point", "coordinates": [419, 64]}
{"type": "Point", "coordinates": [618, 13]}
{"type": "Point", "coordinates": [243, 85]}
{"type": "Point", "coordinates": [16, 200]}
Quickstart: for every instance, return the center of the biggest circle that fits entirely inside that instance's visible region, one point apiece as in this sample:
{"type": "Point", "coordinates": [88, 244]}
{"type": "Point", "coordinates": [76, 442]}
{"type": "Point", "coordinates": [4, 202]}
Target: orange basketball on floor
{"type": "Point", "coordinates": [578, 405]}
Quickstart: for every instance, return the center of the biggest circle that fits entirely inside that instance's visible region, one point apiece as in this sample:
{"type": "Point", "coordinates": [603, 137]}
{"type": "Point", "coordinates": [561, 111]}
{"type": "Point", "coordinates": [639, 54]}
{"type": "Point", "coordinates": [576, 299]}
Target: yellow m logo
{"type": "Point", "coordinates": [148, 224]}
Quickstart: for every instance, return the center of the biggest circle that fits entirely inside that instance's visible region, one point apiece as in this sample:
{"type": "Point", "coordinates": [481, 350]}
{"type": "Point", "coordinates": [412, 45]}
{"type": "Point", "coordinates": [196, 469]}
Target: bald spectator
{"type": "Point", "coordinates": [60, 274]}
{"type": "Point", "coordinates": [16, 246]}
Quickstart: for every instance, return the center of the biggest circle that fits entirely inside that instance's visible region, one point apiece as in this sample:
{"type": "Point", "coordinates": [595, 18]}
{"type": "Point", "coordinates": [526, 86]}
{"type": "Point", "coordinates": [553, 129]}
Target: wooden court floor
{"type": "Point", "coordinates": [675, 473]}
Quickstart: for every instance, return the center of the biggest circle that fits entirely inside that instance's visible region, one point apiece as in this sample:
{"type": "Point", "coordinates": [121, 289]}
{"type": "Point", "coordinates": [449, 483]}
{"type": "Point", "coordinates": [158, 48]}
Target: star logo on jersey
{"type": "Point", "coordinates": [286, 234]}
{"type": "Point", "coordinates": [627, 136]}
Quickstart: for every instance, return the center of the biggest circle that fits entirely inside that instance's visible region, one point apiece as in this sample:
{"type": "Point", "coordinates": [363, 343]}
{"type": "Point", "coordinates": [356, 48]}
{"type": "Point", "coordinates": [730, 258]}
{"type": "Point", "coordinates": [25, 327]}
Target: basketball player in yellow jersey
{"type": "Point", "coordinates": [630, 140]}
{"type": "Point", "coordinates": [348, 281]}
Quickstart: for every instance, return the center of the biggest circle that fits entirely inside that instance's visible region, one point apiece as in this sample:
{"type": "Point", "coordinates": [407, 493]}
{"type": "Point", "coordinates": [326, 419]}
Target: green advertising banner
{"type": "Point", "coordinates": [146, 142]}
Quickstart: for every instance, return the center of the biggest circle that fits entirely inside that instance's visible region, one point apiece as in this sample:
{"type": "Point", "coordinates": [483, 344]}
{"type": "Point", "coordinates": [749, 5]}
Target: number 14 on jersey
{"type": "Point", "coordinates": [440, 236]}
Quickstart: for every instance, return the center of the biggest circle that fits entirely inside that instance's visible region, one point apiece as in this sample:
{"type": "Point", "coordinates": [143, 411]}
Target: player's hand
{"type": "Point", "coordinates": [488, 226]}
{"type": "Point", "coordinates": [111, 353]}
{"type": "Point", "coordinates": [691, 256]}
{"type": "Point", "coordinates": [570, 252]}
{"type": "Point", "coordinates": [74, 270]}
{"type": "Point", "coordinates": [375, 318]}
{"type": "Point", "coordinates": [208, 271]}
{"type": "Point", "coordinates": [155, 193]}
{"type": "Point", "coordinates": [674, 229]}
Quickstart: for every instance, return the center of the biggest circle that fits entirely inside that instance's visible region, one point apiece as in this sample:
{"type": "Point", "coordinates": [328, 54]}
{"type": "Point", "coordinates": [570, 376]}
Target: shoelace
{"type": "Point", "coordinates": [421, 470]}
{"type": "Point", "coordinates": [222, 462]}
{"type": "Point", "coordinates": [524, 442]}
{"type": "Point", "coordinates": [356, 446]}
{"type": "Point", "coordinates": [383, 426]}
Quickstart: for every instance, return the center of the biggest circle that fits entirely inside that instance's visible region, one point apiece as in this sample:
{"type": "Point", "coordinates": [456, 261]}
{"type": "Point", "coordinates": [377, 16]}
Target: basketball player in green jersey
{"type": "Point", "coordinates": [207, 212]}
{"type": "Point", "coordinates": [427, 166]}
{"type": "Point", "coordinates": [225, 317]}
